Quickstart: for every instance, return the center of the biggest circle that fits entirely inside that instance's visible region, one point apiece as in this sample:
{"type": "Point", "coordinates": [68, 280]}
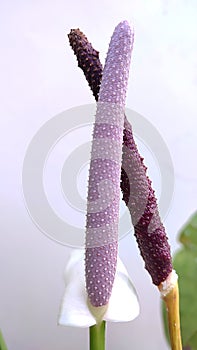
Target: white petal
{"type": "Point", "coordinates": [123, 304]}
{"type": "Point", "coordinates": [74, 310]}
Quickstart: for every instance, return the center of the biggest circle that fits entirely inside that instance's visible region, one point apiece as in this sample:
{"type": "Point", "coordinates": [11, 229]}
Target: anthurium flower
{"type": "Point", "coordinates": [75, 309]}
{"type": "Point", "coordinates": [136, 187]}
{"type": "Point", "coordinates": [140, 200]}
{"type": "Point", "coordinates": [100, 288]}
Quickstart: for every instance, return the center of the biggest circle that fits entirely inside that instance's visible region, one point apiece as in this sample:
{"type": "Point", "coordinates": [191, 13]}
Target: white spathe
{"type": "Point", "coordinates": [123, 305]}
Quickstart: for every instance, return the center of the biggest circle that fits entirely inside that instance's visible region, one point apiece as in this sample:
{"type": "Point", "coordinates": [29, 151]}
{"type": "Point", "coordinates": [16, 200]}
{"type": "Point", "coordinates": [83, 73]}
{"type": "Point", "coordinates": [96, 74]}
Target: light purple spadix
{"type": "Point", "coordinates": [105, 169]}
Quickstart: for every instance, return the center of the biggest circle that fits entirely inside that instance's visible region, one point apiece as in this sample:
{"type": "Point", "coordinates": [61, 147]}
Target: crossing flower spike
{"type": "Point", "coordinates": [136, 187]}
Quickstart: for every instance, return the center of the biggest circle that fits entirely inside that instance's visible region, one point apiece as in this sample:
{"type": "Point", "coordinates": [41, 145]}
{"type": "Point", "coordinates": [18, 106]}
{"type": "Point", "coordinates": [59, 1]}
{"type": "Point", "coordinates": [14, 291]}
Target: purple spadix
{"type": "Point", "coordinates": [105, 169]}
{"type": "Point", "coordinates": [135, 184]}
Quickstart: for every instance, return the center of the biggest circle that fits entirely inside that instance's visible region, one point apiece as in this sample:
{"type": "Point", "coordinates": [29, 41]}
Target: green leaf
{"type": "Point", "coordinates": [185, 264]}
{"type": "Point", "coordinates": [2, 342]}
{"type": "Point", "coordinates": [193, 341]}
{"type": "Point", "coordinates": [188, 235]}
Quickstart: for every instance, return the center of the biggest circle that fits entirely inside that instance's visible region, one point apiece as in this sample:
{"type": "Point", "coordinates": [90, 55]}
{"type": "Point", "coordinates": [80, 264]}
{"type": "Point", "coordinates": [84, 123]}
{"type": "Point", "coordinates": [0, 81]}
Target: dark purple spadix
{"type": "Point", "coordinates": [105, 170]}
{"type": "Point", "coordinates": [135, 184]}
{"type": "Point", "coordinates": [86, 57]}
{"type": "Point", "coordinates": [141, 202]}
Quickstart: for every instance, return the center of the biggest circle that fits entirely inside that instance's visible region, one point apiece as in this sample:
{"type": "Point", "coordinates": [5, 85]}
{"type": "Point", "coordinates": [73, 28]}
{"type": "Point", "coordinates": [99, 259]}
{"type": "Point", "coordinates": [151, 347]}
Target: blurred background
{"type": "Point", "coordinates": [40, 79]}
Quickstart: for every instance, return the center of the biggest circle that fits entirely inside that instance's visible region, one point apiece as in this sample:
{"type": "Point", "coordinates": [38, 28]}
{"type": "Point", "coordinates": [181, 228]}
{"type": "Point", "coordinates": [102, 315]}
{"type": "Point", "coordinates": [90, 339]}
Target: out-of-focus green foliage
{"type": "Point", "coordinates": [185, 264]}
{"type": "Point", "coordinates": [2, 342]}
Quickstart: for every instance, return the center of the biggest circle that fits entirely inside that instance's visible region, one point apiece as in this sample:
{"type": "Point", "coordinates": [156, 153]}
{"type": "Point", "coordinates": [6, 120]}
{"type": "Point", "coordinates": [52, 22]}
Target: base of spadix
{"type": "Point", "coordinates": [97, 311]}
{"type": "Point", "coordinates": [166, 286]}
{"type": "Point", "coordinates": [170, 294]}
{"type": "Point", "coordinates": [75, 311]}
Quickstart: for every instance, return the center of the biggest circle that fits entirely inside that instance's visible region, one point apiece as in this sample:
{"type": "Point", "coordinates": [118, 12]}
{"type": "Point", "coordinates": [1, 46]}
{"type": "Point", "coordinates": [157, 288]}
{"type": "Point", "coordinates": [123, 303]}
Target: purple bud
{"type": "Point", "coordinates": [105, 170]}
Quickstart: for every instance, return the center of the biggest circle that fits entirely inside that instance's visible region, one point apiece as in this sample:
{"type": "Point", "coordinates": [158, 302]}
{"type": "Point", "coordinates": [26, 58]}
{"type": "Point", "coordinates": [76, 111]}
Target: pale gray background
{"type": "Point", "coordinates": [39, 79]}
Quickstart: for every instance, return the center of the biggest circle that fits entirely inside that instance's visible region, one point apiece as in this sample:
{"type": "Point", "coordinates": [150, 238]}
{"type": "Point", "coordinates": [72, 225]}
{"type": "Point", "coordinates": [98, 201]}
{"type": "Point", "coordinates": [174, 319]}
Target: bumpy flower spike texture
{"type": "Point", "coordinates": [141, 202]}
{"type": "Point", "coordinates": [87, 56]}
{"type": "Point", "coordinates": [105, 170]}
{"type": "Point", "coordinates": [135, 184]}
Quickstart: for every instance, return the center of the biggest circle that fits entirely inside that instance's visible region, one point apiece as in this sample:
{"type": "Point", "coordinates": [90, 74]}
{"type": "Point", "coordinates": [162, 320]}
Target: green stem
{"type": "Point", "coordinates": [2, 342]}
{"type": "Point", "coordinates": [97, 336]}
